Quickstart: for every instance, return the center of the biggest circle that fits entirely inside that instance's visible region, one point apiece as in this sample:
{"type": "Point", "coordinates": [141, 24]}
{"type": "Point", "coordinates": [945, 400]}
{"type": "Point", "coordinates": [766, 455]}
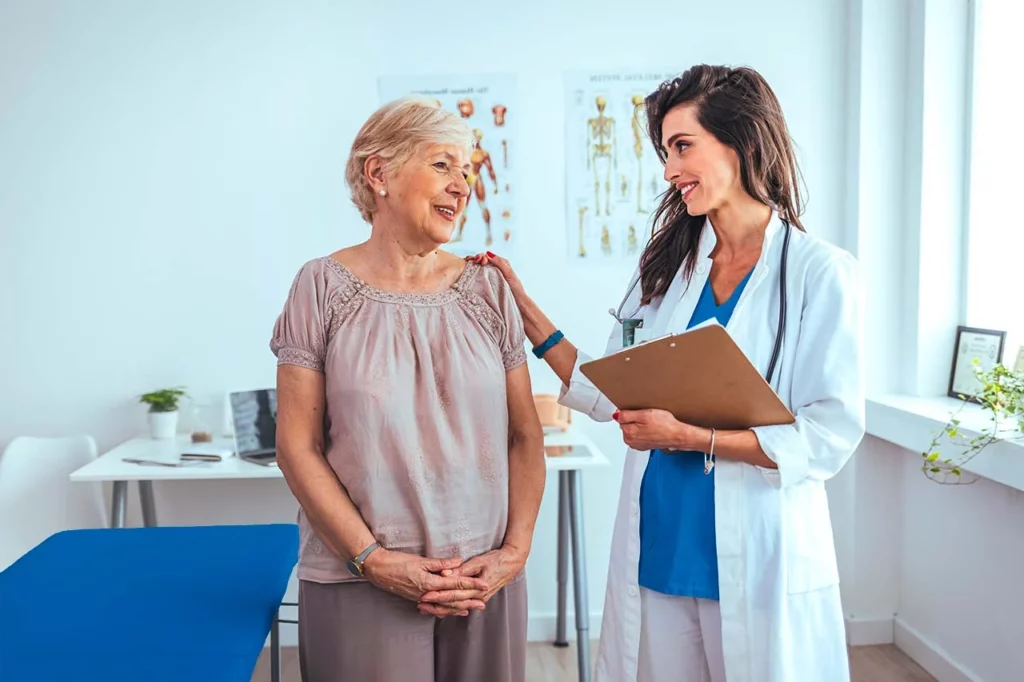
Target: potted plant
{"type": "Point", "coordinates": [1001, 395]}
{"type": "Point", "coordinates": [163, 411]}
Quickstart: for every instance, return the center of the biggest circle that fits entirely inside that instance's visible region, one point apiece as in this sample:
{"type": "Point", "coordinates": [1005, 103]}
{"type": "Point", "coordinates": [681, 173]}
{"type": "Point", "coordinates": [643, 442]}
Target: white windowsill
{"type": "Point", "coordinates": [912, 422]}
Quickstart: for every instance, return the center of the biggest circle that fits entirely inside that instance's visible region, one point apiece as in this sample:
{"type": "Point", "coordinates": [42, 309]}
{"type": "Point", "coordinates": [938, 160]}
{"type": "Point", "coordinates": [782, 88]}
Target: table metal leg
{"type": "Point", "coordinates": [563, 558]}
{"type": "Point", "coordinates": [148, 505]}
{"type": "Point", "coordinates": [579, 576]}
{"type": "Point", "coordinates": [275, 649]}
{"type": "Point", "coordinates": [119, 504]}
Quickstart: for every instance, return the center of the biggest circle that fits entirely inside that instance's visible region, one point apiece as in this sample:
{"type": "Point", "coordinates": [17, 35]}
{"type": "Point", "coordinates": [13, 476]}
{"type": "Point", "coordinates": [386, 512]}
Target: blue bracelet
{"type": "Point", "coordinates": [548, 344]}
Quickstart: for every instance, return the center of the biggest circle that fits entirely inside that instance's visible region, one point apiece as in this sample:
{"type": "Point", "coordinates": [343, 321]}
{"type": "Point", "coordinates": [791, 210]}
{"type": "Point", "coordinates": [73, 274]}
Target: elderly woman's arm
{"type": "Point", "coordinates": [526, 468]}
{"type": "Point", "coordinates": [327, 505]}
{"type": "Point", "coordinates": [527, 473]}
{"type": "Point", "coordinates": [300, 455]}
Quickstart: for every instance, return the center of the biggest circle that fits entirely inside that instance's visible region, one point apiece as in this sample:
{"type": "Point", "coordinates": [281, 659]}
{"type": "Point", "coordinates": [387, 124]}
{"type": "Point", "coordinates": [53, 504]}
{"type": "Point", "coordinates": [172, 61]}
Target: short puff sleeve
{"type": "Point", "coordinates": [300, 333]}
{"type": "Point", "coordinates": [510, 334]}
{"type": "Point", "coordinates": [513, 351]}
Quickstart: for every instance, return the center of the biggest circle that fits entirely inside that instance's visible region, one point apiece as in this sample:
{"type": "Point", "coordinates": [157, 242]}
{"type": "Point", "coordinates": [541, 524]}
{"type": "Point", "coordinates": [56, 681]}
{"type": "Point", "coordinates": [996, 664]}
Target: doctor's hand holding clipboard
{"type": "Point", "coordinates": [723, 561]}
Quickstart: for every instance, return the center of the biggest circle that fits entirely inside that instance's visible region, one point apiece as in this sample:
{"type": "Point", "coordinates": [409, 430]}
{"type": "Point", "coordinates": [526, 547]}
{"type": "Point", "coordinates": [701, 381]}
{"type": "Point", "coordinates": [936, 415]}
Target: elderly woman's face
{"type": "Point", "coordinates": [430, 191]}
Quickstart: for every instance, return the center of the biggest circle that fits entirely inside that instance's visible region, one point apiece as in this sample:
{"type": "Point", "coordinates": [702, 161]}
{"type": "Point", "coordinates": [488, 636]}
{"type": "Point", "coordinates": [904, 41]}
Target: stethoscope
{"type": "Point", "coordinates": [779, 333]}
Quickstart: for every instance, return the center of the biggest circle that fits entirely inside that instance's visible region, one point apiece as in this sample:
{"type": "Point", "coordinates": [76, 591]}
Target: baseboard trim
{"type": "Point", "coordinates": [541, 626]}
{"type": "Point", "coordinates": [930, 655]}
{"type": "Point", "coordinates": [289, 636]}
{"type": "Point", "coordinates": [859, 632]}
{"type": "Point", "coordinates": [869, 631]}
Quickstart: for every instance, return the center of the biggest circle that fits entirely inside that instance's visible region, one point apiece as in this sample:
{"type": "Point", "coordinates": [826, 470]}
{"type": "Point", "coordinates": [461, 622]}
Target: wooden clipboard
{"type": "Point", "coordinates": [701, 376]}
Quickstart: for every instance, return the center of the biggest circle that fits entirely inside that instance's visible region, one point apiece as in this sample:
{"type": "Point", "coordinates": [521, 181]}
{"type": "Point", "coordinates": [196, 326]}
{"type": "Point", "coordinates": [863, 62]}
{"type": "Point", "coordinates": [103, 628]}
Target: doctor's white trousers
{"type": "Point", "coordinates": [680, 639]}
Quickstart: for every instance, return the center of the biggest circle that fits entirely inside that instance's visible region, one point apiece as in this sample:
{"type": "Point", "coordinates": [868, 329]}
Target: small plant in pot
{"type": "Point", "coordinates": [163, 411]}
{"type": "Point", "coordinates": [1001, 396]}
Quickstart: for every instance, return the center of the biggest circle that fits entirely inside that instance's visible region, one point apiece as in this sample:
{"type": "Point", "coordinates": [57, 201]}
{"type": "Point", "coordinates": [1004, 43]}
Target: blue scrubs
{"type": "Point", "coordinates": [678, 553]}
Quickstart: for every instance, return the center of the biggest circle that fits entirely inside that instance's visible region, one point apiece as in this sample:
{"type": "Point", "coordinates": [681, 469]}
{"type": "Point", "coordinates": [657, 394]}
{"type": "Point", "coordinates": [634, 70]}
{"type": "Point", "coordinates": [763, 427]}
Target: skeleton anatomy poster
{"type": "Point", "coordinates": [488, 104]}
{"type": "Point", "coordinates": [613, 177]}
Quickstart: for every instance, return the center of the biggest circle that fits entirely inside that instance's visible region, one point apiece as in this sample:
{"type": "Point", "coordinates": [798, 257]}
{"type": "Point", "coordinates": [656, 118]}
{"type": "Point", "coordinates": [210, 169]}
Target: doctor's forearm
{"type": "Point", "coordinates": [562, 357]}
{"type": "Point", "coordinates": [741, 446]}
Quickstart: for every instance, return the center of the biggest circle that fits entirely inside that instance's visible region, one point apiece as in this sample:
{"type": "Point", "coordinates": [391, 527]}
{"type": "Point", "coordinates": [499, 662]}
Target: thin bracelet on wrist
{"type": "Point", "coordinates": [709, 456]}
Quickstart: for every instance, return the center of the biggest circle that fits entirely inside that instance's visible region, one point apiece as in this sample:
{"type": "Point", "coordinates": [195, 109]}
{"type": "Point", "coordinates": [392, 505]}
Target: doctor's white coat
{"type": "Point", "coordinates": [778, 577]}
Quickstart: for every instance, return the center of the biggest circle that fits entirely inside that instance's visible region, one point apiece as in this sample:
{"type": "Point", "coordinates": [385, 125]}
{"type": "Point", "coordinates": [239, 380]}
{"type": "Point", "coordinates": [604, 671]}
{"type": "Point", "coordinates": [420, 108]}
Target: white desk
{"type": "Point", "coordinates": [582, 454]}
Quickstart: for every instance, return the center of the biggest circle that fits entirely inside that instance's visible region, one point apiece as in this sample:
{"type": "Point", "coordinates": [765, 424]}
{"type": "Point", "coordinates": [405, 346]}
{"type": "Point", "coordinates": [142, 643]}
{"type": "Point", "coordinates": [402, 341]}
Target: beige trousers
{"type": "Point", "coordinates": [355, 632]}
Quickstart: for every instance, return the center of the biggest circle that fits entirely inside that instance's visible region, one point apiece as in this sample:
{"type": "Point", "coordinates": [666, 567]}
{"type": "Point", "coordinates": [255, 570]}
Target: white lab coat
{"type": "Point", "coordinates": [778, 577]}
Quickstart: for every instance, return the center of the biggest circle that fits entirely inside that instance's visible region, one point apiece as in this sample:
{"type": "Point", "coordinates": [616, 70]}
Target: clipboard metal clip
{"type": "Point", "coordinates": [642, 341]}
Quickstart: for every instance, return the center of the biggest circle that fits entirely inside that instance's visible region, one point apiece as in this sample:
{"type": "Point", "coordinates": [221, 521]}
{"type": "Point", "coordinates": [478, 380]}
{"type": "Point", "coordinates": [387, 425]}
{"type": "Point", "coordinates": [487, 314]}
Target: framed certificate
{"type": "Point", "coordinates": [972, 343]}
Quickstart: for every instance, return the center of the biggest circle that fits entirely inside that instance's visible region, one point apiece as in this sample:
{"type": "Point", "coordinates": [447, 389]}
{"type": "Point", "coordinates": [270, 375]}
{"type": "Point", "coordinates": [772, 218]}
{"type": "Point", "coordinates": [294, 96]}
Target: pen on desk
{"type": "Point", "coordinates": [153, 462]}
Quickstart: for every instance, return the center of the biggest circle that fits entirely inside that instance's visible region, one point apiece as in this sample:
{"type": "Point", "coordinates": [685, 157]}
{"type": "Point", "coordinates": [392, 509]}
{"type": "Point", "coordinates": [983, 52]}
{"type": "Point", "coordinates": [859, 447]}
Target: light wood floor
{"type": "Point", "coordinates": [545, 663]}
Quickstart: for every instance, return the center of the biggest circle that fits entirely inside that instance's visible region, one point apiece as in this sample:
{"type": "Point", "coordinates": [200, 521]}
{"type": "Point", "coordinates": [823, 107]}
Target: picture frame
{"type": "Point", "coordinates": [985, 345]}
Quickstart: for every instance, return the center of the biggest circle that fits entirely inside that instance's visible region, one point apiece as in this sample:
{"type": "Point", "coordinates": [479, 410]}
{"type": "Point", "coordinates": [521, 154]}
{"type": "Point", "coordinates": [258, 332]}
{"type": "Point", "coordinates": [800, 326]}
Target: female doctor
{"type": "Point", "coordinates": [723, 565]}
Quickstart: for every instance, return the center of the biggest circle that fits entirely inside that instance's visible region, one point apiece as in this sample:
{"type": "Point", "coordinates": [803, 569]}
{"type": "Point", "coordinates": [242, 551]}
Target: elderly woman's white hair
{"type": "Point", "coordinates": [395, 132]}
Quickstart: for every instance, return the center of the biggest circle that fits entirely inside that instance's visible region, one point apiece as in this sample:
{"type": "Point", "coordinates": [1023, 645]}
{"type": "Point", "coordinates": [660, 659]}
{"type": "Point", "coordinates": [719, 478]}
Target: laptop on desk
{"type": "Point", "coordinates": [254, 422]}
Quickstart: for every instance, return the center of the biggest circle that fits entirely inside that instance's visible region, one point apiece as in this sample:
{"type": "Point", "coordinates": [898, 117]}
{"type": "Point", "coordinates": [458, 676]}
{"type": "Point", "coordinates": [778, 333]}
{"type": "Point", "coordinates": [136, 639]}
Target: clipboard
{"type": "Point", "coordinates": [701, 376]}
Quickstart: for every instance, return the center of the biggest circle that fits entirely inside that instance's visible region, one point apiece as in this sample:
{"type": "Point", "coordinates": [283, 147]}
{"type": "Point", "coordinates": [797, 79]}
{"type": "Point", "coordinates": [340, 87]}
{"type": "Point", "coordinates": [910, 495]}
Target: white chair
{"type": "Point", "coordinates": [37, 498]}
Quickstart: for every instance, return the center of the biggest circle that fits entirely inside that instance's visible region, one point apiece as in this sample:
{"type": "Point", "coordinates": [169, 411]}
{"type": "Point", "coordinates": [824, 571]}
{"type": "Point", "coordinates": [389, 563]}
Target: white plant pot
{"type": "Point", "coordinates": [163, 425]}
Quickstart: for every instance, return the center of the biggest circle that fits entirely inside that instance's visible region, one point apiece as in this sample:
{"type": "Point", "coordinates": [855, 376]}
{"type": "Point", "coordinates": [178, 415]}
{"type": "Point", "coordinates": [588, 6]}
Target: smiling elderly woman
{"type": "Point", "coordinates": [406, 428]}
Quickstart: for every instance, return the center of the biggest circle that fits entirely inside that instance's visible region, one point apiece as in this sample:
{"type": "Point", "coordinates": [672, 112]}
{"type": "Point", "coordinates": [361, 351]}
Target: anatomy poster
{"type": "Point", "coordinates": [613, 177]}
{"type": "Point", "coordinates": [488, 104]}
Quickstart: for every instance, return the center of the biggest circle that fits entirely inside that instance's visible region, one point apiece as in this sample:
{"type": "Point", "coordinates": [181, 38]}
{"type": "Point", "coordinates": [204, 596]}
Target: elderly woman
{"type": "Point", "coordinates": [406, 428]}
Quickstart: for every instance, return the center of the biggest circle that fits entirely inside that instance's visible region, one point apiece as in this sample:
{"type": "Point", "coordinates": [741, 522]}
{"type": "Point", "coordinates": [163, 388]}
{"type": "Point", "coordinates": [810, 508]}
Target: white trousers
{"type": "Point", "coordinates": [680, 639]}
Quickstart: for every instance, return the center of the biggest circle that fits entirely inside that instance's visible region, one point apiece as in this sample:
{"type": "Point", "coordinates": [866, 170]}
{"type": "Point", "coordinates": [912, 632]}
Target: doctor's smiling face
{"type": "Point", "coordinates": [705, 171]}
{"type": "Point", "coordinates": [723, 139]}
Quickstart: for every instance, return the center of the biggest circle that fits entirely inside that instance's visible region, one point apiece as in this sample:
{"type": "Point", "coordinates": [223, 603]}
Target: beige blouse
{"type": "Point", "coordinates": [416, 424]}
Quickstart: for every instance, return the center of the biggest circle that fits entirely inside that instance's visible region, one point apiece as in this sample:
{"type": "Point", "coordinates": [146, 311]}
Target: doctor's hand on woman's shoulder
{"type": "Point", "coordinates": [507, 272]}
{"type": "Point", "coordinates": [554, 348]}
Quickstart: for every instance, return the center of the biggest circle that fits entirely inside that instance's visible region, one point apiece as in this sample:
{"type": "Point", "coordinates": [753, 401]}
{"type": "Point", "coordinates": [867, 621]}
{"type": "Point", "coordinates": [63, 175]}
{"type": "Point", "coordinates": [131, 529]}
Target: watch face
{"type": "Point", "coordinates": [354, 570]}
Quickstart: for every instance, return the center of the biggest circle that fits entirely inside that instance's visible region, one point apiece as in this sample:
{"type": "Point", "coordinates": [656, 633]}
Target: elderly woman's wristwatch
{"type": "Point", "coordinates": [355, 566]}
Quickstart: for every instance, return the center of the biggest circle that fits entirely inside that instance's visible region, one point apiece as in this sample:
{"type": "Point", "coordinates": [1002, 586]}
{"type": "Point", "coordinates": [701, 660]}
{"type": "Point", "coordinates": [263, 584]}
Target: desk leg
{"type": "Point", "coordinates": [563, 557]}
{"type": "Point", "coordinates": [275, 649]}
{"type": "Point", "coordinates": [148, 505]}
{"type": "Point", "coordinates": [579, 576]}
{"type": "Point", "coordinates": [119, 504]}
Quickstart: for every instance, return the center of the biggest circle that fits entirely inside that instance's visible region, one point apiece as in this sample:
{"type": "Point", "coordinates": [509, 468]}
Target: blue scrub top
{"type": "Point", "coordinates": [678, 553]}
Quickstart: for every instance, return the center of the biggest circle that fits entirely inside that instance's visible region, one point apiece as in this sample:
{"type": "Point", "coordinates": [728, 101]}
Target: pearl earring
{"type": "Point", "coordinates": [383, 192]}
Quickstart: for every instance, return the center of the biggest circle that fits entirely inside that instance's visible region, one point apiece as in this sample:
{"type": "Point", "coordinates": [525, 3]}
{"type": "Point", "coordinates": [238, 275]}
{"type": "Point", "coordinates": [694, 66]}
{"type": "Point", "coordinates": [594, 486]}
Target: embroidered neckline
{"type": "Point", "coordinates": [450, 294]}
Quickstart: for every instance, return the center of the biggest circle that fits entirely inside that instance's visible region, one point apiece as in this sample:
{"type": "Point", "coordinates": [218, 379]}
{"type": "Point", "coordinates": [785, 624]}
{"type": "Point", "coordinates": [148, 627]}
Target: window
{"type": "Point", "coordinates": [995, 235]}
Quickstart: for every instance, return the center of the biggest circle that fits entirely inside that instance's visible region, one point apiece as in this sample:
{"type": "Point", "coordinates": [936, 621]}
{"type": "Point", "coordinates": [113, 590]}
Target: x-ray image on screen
{"type": "Point", "coordinates": [254, 414]}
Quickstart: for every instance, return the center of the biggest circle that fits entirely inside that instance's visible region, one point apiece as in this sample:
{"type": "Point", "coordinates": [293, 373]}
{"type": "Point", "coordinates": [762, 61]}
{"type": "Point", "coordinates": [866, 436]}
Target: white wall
{"type": "Point", "coordinates": [931, 567]}
{"type": "Point", "coordinates": [876, 82]}
{"type": "Point", "coordinates": [166, 167]}
{"type": "Point", "coordinates": [960, 592]}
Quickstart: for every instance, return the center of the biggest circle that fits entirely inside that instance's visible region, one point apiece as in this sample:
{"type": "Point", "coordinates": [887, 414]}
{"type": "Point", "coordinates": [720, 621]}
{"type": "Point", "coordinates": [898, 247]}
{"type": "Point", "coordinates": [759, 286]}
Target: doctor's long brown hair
{"type": "Point", "coordinates": [738, 107]}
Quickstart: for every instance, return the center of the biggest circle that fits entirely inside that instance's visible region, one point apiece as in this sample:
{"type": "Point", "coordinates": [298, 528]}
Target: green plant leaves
{"type": "Point", "coordinates": [1002, 396]}
{"type": "Point", "coordinates": [163, 400]}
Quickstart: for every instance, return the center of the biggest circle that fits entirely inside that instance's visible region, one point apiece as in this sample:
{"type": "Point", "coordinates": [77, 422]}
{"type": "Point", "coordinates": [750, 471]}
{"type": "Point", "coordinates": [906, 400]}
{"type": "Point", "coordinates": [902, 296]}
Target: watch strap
{"type": "Point", "coordinates": [358, 561]}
